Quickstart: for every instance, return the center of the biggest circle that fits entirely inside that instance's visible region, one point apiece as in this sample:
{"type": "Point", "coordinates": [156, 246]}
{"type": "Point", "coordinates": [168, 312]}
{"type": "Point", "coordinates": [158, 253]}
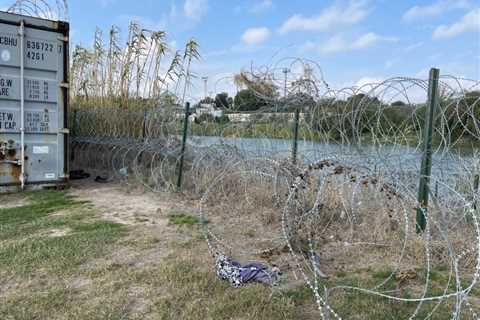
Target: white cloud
{"type": "Point", "coordinates": [334, 44]}
{"type": "Point", "coordinates": [329, 18]}
{"type": "Point", "coordinates": [367, 81]}
{"type": "Point", "coordinates": [413, 46]}
{"type": "Point", "coordinates": [144, 22]}
{"type": "Point", "coordinates": [389, 64]}
{"type": "Point", "coordinates": [106, 3]}
{"type": "Point", "coordinates": [173, 11]}
{"type": "Point", "coordinates": [469, 22]}
{"type": "Point", "coordinates": [195, 9]}
{"type": "Point", "coordinates": [338, 43]}
{"type": "Point", "coordinates": [434, 9]}
{"type": "Point", "coordinates": [254, 36]}
{"type": "Point", "coordinates": [370, 39]}
{"type": "Point", "coordinates": [379, 86]}
{"type": "Point", "coordinates": [262, 6]}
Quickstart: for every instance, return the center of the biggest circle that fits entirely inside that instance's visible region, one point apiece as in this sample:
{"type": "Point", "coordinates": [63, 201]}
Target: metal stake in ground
{"type": "Point", "coordinates": [295, 135]}
{"type": "Point", "coordinates": [426, 169]}
{"type": "Point", "coordinates": [184, 143]}
{"type": "Point", "coordinates": [476, 190]}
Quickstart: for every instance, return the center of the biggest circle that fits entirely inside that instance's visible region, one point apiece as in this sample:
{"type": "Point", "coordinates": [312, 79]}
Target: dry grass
{"type": "Point", "coordinates": [359, 234]}
{"type": "Point", "coordinates": [135, 255]}
{"type": "Point", "coordinates": [106, 270]}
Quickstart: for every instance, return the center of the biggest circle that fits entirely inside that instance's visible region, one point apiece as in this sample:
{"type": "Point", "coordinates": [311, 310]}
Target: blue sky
{"type": "Point", "coordinates": [352, 40]}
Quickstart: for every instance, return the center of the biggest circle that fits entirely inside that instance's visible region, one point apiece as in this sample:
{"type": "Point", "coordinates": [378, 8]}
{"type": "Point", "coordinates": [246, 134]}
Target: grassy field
{"type": "Point", "coordinates": [61, 259]}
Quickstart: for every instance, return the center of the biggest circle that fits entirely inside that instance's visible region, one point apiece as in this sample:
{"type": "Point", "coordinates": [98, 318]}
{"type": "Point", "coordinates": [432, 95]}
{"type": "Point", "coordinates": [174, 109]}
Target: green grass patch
{"type": "Point", "coordinates": [29, 247]}
{"type": "Point", "coordinates": [26, 220]}
{"type": "Point", "coordinates": [382, 274]}
{"type": "Point", "coordinates": [182, 219]}
{"type": "Point", "coordinates": [196, 293]}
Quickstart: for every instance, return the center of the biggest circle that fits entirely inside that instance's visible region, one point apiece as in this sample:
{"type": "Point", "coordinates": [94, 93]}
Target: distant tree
{"type": "Point", "coordinates": [222, 101]}
{"type": "Point", "coordinates": [223, 119]}
{"type": "Point", "coordinates": [472, 102]}
{"type": "Point", "coordinates": [263, 86]}
{"type": "Point", "coordinates": [259, 92]}
{"type": "Point", "coordinates": [167, 99]}
{"type": "Point", "coordinates": [247, 100]}
{"type": "Point", "coordinates": [363, 100]}
{"type": "Point", "coordinates": [398, 104]}
{"type": "Point", "coordinates": [298, 100]}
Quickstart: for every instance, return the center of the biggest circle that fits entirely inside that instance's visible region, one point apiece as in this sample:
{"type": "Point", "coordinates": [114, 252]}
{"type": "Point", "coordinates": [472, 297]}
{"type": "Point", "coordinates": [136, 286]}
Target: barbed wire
{"type": "Point", "coordinates": [348, 203]}
{"type": "Point", "coordinates": [46, 9]}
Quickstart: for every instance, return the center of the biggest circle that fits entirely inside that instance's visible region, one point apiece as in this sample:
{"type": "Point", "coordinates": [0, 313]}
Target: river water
{"type": "Point", "coordinates": [399, 161]}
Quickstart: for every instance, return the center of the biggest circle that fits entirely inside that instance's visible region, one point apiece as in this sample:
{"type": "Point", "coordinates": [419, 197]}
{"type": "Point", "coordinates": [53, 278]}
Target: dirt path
{"type": "Point", "coordinates": [135, 208]}
{"type": "Point", "coordinates": [9, 201]}
{"type": "Point", "coordinates": [146, 214]}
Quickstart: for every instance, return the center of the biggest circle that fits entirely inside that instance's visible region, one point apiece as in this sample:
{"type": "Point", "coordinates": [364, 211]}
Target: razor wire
{"type": "Point", "coordinates": [351, 197]}
{"type": "Point", "coordinates": [45, 9]}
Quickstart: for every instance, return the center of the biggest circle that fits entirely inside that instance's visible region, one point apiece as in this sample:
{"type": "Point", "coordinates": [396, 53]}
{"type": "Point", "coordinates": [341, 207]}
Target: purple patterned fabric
{"type": "Point", "coordinates": [232, 271]}
{"type": "Point", "coordinates": [257, 272]}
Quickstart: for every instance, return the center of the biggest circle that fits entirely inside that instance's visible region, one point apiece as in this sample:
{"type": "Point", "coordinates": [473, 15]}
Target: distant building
{"type": "Point", "coordinates": [263, 116]}
{"type": "Point", "coordinates": [207, 108]}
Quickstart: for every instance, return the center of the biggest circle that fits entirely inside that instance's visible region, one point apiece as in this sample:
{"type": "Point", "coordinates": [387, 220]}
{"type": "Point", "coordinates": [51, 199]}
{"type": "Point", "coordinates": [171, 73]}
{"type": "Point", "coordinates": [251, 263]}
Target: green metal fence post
{"type": "Point", "coordinates": [476, 190]}
{"type": "Point", "coordinates": [295, 135]}
{"type": "Point", "coordinates": [184, 143]}
{"type": "Point", "coordinates": [426, 169]}
{"type": "Point", "coordinates": [144, 125]}
{"type": "Point", "coordinates": [144, 134]}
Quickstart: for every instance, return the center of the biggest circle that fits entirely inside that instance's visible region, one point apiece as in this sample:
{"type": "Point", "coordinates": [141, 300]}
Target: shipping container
{"type": "Point", "coordinates": [34, 62]}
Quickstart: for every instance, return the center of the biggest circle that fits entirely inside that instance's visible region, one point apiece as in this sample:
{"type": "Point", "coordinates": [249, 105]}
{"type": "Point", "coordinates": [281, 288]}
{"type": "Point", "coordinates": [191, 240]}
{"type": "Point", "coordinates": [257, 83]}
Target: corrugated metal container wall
{"type": "Point", "coordinates": [34, 62]}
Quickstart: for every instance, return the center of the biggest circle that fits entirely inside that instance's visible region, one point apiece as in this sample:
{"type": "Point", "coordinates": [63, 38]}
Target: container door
{"type": "Point", "coordinates": [44, 109]}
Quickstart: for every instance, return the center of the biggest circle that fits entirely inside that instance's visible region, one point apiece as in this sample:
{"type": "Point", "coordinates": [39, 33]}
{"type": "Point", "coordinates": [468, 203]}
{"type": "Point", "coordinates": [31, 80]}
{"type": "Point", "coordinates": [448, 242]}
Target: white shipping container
{"type": "Point", "coordinates": [34, 62]}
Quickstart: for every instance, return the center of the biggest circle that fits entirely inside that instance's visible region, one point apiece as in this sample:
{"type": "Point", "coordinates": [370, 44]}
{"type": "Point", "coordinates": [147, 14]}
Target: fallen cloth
{"type": "Point", "coordinates": [238, 275]}
{"type": "Point", "coordinates": [101, 179]}
{"type": "Point", "coordinates": [78, 175]}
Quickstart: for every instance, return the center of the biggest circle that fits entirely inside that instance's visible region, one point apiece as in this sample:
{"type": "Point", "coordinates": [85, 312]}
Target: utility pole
{"type": "Point", "coordinates": [285, 71]}
{"type": "Point", "coordinates": [308, 72]}
{"type": "Point", "coordinates": [205, 82]}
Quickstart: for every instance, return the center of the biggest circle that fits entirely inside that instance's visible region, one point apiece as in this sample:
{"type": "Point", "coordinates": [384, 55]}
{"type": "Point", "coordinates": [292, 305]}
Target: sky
{"type": "Point", "coordinates": [354, 41]}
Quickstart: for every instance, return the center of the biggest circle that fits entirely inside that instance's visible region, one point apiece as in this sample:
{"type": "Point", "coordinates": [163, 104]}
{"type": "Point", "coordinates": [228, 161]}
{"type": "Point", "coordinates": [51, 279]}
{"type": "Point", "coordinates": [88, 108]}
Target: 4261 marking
{"type": "Point", "coordinates": [37, 50]}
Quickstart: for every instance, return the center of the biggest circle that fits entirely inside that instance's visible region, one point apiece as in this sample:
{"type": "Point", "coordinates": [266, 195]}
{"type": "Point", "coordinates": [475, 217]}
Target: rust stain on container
{"type": "Point", "coordinates": [16, 170]}
{"type": "Point", "coordinates": [12, 170]}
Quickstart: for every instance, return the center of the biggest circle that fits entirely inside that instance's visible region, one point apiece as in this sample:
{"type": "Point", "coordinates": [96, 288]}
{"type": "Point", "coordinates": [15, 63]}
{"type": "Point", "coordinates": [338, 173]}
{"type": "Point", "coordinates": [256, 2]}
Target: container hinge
{"type": "Point", "coordinates": [14, 162]}
{"type": "Point", "coordinates": [63, 38]}
{"type": "Point", "coordinates": [64, 85]}
{"type": "Point", "coordinates": [64, 131]}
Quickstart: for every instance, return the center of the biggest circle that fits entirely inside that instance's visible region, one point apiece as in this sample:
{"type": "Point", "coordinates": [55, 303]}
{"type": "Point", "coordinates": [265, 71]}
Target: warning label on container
{"type": "Point", "coordinates": [5, 87]}
{"type": "Point", "coordinates": [49, 175]}
{"type": "Point", "coordinates": [40, 149]}
{"type": "Point", "coordinates": [35, 89]}
{"type": "Point", "coordinates": [35, 121]}
{"type": "Point", "coordinates": [7, 121]}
